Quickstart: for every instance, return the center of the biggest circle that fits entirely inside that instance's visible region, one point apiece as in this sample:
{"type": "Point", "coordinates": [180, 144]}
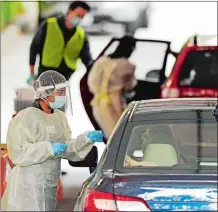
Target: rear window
{"type": "Point", "coordinates": [171, 144]}
{"type": "Point", "coordinates": [200, 70]}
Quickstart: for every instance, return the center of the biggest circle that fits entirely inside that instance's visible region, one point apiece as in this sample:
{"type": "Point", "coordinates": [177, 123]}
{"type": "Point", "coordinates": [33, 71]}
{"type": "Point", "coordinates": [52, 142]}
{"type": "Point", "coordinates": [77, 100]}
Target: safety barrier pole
{"type": "Point", "coordinates": [6, 167]}
{"type": "Point", "coordinates": [59, 191]}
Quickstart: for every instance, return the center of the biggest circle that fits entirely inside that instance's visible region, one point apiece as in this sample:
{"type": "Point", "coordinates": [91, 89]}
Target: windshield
{"type": "Point", "coordinates": [187, 145]}
{"type": "Point", "coordinates": [200, 70]}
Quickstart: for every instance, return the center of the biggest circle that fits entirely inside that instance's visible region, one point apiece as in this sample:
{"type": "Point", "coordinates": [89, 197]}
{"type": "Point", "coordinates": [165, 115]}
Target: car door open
{"type": "Point", "coordinates": [150, 57]}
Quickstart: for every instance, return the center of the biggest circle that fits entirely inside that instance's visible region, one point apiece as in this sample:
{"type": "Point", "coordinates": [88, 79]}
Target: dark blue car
{"type": "Point", "coordinates": [162, 156]}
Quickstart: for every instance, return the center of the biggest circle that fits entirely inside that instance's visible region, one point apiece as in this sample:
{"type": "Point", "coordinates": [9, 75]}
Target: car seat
{"type": "Point", "coordinates": [162, 147]}
{"type": "Point", "coordinates": [161, 154]}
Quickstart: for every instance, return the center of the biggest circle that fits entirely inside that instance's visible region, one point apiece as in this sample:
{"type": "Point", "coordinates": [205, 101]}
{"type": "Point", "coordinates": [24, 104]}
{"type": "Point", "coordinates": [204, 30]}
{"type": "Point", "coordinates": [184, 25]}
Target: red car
{"type": "Point", "coordinates": [195, 72]}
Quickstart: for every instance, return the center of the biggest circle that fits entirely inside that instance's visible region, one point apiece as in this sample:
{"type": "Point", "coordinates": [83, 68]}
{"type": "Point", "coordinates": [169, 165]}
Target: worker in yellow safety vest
{"type": "Point", "coordinates": [61, 43]}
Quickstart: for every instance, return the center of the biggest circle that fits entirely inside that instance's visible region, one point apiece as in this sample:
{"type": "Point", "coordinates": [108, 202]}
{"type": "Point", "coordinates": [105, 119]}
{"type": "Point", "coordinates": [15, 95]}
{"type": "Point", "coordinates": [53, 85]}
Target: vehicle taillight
{"type": "Point", "coordinates": [102, 201]}
{"type": "Point", "coordinates": [170, 93]}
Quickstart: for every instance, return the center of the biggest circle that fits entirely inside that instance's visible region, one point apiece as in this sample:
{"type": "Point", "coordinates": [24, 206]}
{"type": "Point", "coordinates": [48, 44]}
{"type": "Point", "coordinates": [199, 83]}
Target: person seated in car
{"type": "Point", "coordinates": [109, 79]}
{"type": "Point", "coordinates": [164, 155]}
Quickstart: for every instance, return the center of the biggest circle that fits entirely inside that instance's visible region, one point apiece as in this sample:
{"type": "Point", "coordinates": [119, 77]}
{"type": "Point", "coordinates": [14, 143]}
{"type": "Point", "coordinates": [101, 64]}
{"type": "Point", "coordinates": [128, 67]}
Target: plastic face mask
{"type": "Point", "coordinates": [59, 102]}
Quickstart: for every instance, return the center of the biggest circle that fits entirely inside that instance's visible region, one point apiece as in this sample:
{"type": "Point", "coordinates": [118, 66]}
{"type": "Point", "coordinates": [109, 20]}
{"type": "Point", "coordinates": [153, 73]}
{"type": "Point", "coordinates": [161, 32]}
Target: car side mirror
{"type": "Point", "coordinates": [90, 160]}
{"type": "Point", "coordinates": [138, 154]}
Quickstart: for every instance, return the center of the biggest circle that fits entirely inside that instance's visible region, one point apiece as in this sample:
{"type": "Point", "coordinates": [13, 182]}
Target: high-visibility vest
{"type": "Point", "coordinates": [55, 49]}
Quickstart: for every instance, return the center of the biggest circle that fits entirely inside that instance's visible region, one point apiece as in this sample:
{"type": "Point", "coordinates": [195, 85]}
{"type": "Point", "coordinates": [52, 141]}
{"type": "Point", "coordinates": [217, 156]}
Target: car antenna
{"type": "Point", "coordinates": [195, 40]}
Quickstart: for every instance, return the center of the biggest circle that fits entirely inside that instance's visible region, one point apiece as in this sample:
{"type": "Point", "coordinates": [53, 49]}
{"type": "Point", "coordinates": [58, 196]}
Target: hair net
{"type": "Point", "coordinates": [47, 83]}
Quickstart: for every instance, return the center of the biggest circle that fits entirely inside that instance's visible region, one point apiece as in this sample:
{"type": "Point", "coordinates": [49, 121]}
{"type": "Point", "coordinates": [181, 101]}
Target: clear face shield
{"type": "Point", "coordinates": [62, 96]}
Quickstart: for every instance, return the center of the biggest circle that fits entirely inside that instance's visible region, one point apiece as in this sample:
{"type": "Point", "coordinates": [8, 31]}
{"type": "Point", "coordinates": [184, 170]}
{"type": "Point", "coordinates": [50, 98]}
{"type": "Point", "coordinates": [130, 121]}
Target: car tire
{"type": "Point", "coordinates": [141, 21]}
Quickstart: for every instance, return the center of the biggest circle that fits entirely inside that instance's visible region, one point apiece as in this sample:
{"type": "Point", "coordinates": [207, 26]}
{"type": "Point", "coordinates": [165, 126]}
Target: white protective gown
{"type": "Point", "coordinates": [107, 80]}
{"type": "Point", "coordinates": [32, 184]}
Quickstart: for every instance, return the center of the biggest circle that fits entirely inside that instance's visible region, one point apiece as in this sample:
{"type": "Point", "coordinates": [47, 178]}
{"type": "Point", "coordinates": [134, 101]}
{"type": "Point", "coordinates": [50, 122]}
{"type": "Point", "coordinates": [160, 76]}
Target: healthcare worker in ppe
{"type": "Point", "coordinates": [110, 78]}
{"type": "Point", "coordinates": [37, 139]}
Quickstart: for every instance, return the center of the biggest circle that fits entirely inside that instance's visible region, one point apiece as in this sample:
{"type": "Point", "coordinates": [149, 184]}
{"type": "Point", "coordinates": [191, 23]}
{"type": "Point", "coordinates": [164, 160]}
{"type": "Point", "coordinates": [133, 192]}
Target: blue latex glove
{"type": "Point", "coordinates": [30, 79]}
{"type": "Point", "coordinates": [96, 136]}
{"type": "Point", "coordinates": [58, 148]}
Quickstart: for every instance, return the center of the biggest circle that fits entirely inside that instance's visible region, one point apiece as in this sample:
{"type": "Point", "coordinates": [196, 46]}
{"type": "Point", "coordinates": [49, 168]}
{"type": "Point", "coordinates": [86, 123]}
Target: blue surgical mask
{"type": "Point", "coordinates": [59, 102]}
{"type": "Point", "coordinates": [75, 21]}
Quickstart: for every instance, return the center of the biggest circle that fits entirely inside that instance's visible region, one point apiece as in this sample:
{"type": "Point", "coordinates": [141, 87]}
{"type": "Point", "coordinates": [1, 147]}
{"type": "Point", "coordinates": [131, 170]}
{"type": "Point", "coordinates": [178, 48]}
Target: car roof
{"type": "Point", "coordinates": [158, 105]}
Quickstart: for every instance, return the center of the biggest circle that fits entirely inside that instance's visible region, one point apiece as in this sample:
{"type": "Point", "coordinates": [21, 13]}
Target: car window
{"type": "Point", "coordinates": [148, 56]}
{"type": "Point", "coordinates": [173, 145]}
{"type": "Point", "coordinates": [200, 70]}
